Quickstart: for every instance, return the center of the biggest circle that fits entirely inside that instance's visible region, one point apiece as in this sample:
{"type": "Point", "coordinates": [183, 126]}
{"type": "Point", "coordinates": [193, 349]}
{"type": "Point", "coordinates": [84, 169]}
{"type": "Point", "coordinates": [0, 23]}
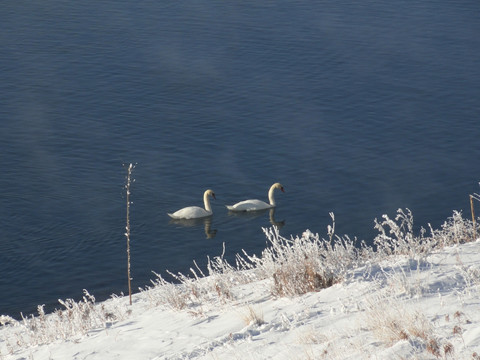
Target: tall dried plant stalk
{"type": "Point", "coordinates": [473, 218]}
{"type": "Point", "coordinates": [475, 196]}
{"type": "Point", "coordinates": [130, 168]}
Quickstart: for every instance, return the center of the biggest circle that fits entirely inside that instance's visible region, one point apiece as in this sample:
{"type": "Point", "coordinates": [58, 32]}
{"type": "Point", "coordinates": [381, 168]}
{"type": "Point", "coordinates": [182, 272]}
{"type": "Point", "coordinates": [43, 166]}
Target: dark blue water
{"type": "Point", "coordinates": [357, 108]}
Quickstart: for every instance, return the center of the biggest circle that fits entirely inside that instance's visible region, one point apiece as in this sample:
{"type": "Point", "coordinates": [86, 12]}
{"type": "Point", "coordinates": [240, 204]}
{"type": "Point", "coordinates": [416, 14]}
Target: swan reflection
{"type": "Point", "coordinates": [206, 221]}
{"type": "Point", "coordinates": [258, 213]}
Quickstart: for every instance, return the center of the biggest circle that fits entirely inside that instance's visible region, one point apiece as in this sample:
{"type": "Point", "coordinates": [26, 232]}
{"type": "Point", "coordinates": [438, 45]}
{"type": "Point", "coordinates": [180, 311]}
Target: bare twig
{"type": "Point", "coordinates": [130, 168]}
{"type": "Point", "coordinates": [475, 196]}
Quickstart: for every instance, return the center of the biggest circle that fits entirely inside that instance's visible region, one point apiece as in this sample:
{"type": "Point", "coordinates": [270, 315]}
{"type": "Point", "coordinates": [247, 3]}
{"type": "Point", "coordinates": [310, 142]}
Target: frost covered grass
{"type": "Point", "coordinates": [73, 321]}
{"type": "Point", "coordinates": [296, 266]}
{"type": "Point", "coordinates": [408, 296]}
{"type": "Point", "coordinates": [307, 263]}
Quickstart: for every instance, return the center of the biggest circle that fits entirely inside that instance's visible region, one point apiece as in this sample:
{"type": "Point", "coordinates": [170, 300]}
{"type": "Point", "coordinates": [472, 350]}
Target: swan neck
{"type": "Point", "coordinates": [206, 202]}
{"type": "Point", "coordinates": [271, 198]}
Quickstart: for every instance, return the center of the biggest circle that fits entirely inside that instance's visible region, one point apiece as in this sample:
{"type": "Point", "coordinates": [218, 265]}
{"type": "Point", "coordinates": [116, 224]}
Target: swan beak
{"type": "Point", "coordinates": [213, 195]}
{"type": "Point", "coordinates": [283, 190]}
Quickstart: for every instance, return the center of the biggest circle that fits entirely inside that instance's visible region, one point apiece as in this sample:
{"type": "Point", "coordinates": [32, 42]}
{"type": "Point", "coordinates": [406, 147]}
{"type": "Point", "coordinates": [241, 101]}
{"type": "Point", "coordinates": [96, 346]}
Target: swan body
{"type": "Point", "coordinates": [254, 204]}
{"type": "Point", "coordinates": [195, 212]}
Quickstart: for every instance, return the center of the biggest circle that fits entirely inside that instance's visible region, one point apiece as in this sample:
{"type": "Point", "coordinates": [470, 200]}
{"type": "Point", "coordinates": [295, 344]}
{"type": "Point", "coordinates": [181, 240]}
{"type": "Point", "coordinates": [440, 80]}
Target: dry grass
{"type": "Point", "coordinates": [397, 237]}
{"type": "Point", "coordinates": [392, 322]}
{"type": "Point", "coordinates": [312, 337]}
{"type": "Point", "coordinates": [253, 317]}
{"type": "Point", "coordinates": [305, 264]}
{"type": "Point", "coordinates": [76, 319]}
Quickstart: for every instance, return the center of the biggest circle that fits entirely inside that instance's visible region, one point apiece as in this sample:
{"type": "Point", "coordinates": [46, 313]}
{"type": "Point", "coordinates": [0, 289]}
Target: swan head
{"type": "Point", "coordinates": [209, 193]}
{"type": "Point", "coordinates": [278, 186]}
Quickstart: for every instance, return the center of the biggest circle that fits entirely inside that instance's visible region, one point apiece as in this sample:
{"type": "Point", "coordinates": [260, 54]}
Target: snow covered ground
{"type": "Point", "coordinates": [416, 305]}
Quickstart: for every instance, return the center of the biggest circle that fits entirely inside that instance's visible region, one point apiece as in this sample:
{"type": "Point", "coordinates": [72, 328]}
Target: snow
{"type": "Point", "coordinates": [399, 307]}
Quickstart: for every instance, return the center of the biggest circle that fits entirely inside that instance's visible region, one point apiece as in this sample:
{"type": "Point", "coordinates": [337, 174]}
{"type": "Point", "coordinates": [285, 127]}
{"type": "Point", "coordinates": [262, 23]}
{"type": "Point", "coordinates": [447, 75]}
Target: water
{"type": "Point", "coordinates": [356, 108]}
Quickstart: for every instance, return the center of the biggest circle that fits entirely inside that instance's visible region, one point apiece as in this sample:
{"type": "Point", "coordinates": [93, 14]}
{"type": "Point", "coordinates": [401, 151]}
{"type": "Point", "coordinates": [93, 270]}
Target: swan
{"type": "Point", "coordinates": [254, 204]}
{"type": "Point", "coordinates": [195, 212]}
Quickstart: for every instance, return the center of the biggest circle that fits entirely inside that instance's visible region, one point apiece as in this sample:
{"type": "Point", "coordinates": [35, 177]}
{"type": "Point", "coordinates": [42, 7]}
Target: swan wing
{"type": "Point", "coordinates": [191, 212]}
{"type": "Point", "coordinates": [249, 205]}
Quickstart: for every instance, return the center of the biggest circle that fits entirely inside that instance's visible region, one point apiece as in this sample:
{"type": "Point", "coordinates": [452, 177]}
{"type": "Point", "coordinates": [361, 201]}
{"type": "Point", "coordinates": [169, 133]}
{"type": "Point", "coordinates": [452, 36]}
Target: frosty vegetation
{"type": "Point", "coordinates": [290, 267]}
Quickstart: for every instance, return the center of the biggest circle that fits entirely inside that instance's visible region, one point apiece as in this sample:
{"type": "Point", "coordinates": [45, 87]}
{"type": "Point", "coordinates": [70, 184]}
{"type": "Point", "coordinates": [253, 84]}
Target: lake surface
{"type": "Point", "coordinates": [357, 108]}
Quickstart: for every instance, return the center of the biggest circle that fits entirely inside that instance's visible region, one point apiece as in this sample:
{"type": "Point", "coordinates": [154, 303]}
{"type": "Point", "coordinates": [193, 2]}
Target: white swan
{"type": "Point", "coordinates": [195, 212]}
{"type": "Point", "coordinates": [254, 204]}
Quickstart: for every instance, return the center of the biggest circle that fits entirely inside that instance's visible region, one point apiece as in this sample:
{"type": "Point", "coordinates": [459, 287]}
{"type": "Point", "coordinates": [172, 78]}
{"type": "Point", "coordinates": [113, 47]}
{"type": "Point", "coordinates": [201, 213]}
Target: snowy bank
{"type": "Point", "coordinates": [414, 297]}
